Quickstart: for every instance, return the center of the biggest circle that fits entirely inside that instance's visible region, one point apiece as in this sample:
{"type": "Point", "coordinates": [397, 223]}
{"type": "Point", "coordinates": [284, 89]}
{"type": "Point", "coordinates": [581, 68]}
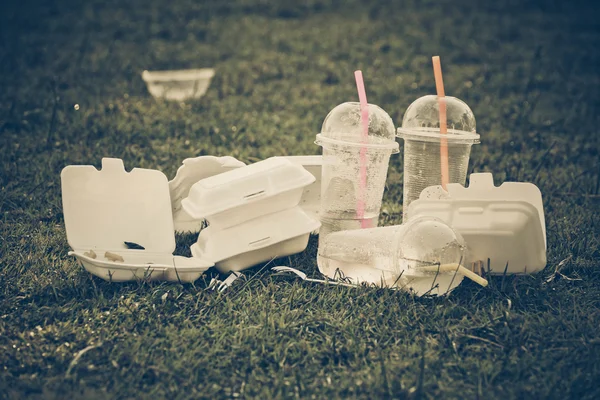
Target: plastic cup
{"type": "Point", "coordinates": [422, 141]}
{"type": "Point", "coordinates": [415, 256]}
{"type": "Point", "coordinates": [341, 189]}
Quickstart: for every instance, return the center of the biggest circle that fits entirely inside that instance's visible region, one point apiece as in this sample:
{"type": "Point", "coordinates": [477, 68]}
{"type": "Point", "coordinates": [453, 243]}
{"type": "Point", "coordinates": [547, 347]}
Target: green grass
{"type": "Point", "coordinates": [529, 70]}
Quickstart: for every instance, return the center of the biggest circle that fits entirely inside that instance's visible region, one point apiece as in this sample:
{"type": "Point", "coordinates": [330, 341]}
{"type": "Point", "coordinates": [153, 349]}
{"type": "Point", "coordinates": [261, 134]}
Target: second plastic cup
{"type": "Point", "coordinates": [422, 141]}
{"type": "Point", "coordinates": [347, 201]}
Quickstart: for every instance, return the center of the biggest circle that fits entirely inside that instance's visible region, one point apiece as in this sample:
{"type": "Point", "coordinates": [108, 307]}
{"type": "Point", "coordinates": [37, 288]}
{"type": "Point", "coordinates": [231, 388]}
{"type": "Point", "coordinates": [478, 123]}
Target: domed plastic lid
{"type": "Point", "coordinates": [422, 118]}
{"type": "Point", "coordinates": [429, 242]}
{"type": "Point", "coordinates": [343, 126]}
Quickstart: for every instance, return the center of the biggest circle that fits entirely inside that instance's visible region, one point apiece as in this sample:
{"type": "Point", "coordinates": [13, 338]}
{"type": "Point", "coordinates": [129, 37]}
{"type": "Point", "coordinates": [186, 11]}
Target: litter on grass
{"type": "Point", "coordinates": [178, 85]}
{"type": "Point", "coordinates": [191, 171]}
{"type": "Point", "coordinates": [196, 169]}
{"type": "Point", "coordinates": [106, 209]}
{"type": "Point", "coordinates": [121, 224]}
{"type": "Point", "coordinates": [503, 226]}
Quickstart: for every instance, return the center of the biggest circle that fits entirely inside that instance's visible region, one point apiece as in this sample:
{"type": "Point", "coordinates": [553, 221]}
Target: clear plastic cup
{"type": "Point", "coordinates": [414, 256]}
{"type": "Point", "coordinates": [345, 154]}
{"type": "Point", "coordinates": [422, 141]}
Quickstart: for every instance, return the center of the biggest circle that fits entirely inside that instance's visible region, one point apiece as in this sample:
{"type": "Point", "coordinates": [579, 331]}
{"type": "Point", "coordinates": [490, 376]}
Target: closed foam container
{"type": "Point", "coordinates": [105, 208]}
{"type": "Point", "coordinates": [191, 171]}
{"type": "Point", "coordinates": [258, 240]}
{"type": "Point", "coordinates": [245, 193]}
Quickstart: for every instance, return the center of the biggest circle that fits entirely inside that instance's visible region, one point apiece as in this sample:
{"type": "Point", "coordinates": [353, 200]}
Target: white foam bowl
{"type": "Point", "coordinates": [178, 85]}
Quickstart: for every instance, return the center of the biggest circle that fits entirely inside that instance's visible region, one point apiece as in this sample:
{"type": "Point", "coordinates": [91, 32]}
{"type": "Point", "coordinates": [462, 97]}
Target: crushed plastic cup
{"type": "Point", "coordinates": [422, 256]}
{"type": "Point", "coordinates": [422, 140]}
{"type": "Point", "coordinates": [341, 189]}
{"type": "Point", "coordinates": [178, 85]}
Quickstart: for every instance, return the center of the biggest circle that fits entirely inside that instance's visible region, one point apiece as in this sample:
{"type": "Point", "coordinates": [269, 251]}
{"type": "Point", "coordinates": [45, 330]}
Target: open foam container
{"type": "Point", "coordinates": [504, 224]}
{"type": "Point", "coordinates": [104, 209]}
{"type": "Point", "coordinates": [261, 239]}
{"type": "Point", "coordinates": [239, 195]}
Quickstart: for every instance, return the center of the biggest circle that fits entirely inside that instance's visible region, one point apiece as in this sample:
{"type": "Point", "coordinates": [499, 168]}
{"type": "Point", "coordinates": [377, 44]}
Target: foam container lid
{"type": "Point", "coordinates": [221, 244]}
{"type": "Point", "coordinates": [503, 224]}
{"type": "Point", "coordinates": [245, 185]}
{"type": "Point", "coordinates": [481, 187]}
{"type": "Point", "coordinates": [103, 209]}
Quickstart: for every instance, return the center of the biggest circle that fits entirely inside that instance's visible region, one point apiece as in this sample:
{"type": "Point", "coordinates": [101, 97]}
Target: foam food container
{"type": "Point", "coordinates": [503, 224]}
{"type": "Point", "coordinates": [481, 187]}
{"type": "Point", "coordinates": [178, 85]}
{"type": "Point", "coordinates": [104, 209]}
{"type": "Point", "coordinates": [234, 197]}
{"type": "Point", "coordinates": [193, 170]}
{"type": "Point", "coordinates": [239, 247]}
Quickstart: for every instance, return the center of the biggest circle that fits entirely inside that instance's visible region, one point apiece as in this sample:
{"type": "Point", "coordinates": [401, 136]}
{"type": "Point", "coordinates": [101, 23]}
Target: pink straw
{"type": "Point", "coordinates": [439, 86]}
{"type": "Point", "coordinates": [364, 117]}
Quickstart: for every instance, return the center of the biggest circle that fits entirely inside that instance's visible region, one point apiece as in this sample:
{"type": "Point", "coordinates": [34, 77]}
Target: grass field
{"type": "Point", "coordinates": [71, 93]}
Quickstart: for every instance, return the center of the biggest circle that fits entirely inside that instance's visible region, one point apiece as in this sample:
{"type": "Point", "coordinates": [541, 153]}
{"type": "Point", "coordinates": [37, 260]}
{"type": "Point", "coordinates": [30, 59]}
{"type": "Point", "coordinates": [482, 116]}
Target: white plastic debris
{"type": "Point", "coordinates": [221, 286]}
{"type": "Point", "coordinates": [256, 240]}
{"type": "Point", "coordinates": [304, 277]}
{"type": "Point", "coordinates": [178, 85]}
{"type": "Point", "coordinates": [192, 171]}
{"type": "Point", "coordinates": [311, 197]}
{"type": "Point", "coordinates": [504, 224]}
{"type": "Point", "coordinates": [106, 210]}
{"type": "Point", "coordinates": [424, 256]}
{"type": "Point", "coordinates": [237, 196]}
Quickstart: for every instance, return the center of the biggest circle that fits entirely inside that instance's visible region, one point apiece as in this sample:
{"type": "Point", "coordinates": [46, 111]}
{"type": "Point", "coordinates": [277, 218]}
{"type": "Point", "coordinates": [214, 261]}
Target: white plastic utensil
{"type": "Point", "coordinates": [104, 210]}
{"type": "Point", "coordinates": [304, 277]}
{"type": "Point", "coordinates": [221, 286]}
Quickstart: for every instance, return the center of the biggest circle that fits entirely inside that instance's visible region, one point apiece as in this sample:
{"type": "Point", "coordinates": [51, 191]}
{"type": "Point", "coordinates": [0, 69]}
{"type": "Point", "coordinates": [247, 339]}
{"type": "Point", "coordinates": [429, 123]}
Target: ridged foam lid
{"type": "Point", "coordinates": [105, 208]}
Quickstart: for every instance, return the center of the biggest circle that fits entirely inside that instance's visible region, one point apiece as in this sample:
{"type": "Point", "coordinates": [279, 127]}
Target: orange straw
{"type": "Point", "coordinates": [364, 117]}
{"type": "Point", "coordinates": [439, 86]}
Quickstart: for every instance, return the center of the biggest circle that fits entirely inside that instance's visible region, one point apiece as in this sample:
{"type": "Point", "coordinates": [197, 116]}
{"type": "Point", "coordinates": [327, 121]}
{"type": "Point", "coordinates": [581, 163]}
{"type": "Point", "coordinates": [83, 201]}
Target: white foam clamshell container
{"type": "Point", "coordinates": [275, 235]}
{"type": "Point", "coordinates": [236, 196]}
{"type": "Point", "coordinates": [191, 171]}
{"type": "Point", "coordinates": [504, 224]}
{"type": "Point", "coordinates": [104, 209]}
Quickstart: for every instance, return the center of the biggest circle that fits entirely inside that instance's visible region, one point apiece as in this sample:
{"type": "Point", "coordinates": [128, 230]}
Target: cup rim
{"type": "Point", "coordinates": [322, 141]}
{"type": "Point", "coordinates": [453, 136]}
